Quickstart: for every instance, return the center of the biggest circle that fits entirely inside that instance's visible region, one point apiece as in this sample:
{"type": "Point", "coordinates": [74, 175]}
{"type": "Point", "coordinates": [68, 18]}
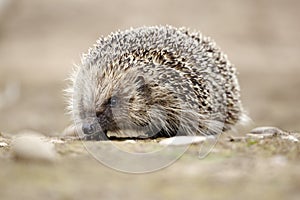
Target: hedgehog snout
{"type": "Point", "coordinates": [93, 131]}
{"type": "Point", "coordinates": [88, 128]}
{"type": "Point", "coordinates": [94, 126]}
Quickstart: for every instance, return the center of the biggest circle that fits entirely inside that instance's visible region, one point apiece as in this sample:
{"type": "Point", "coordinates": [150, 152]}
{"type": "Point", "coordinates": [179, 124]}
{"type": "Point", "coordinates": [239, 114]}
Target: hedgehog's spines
{"type": "Point", "coordinates": [174, 60]}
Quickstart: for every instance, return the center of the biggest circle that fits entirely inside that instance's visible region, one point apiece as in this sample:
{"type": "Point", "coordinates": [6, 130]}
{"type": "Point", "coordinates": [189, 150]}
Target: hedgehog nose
{"type": "Point", "coordinates": [88, 128]}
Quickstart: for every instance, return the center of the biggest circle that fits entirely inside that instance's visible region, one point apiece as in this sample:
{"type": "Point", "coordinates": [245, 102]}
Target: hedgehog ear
{"type": "Point", "coordinates": [140, 80]}
{"type": "Point", "coordinates": [142, 86]}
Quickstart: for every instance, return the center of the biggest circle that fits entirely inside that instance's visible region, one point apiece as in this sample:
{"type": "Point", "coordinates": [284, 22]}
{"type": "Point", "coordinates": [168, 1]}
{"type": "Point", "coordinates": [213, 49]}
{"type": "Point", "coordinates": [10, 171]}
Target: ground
{"type": "Point", "coordinates": [254, 168]}
{"type": "Point", "coordinates": [39, 43]}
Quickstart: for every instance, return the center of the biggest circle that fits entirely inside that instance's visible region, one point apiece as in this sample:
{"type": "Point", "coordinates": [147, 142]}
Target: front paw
{"type": "Point", "coordinates": [95, 137]}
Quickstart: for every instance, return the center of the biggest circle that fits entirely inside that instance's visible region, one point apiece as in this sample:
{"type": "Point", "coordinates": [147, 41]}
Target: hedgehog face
{"type": "Point", "coordinates": [119, 101]}
{"type": "Point", "coordinates": [124, 105]}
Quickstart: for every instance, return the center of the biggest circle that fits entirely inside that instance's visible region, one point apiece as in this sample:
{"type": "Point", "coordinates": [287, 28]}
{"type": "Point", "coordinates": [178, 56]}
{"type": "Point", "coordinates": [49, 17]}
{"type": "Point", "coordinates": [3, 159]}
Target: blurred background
{"type": "Point", "coordinates": [41, 40]}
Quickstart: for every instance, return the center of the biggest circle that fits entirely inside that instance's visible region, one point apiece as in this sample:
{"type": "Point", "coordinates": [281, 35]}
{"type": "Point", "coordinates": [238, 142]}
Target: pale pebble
{"type": "Point", "coordinates": [183, 140]}
{"type": "Point", "coordinates": [3, 144]}
{"type": "Point", "coordinates": [290, 138]}
{"type": "Point", "coordinates": [266, 130]}
{"type": "Point", "coordinates": [33, 147]}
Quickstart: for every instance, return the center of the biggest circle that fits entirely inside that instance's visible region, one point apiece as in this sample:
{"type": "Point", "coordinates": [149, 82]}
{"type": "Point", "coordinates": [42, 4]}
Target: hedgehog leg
{"type": "Point", "coordinates": [96, 137]}
{"type": "Point", "coordinates": [174, 131]}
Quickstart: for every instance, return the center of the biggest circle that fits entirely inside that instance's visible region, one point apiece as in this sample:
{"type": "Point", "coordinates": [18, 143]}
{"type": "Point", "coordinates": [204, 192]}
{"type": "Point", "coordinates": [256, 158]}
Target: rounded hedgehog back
{"type": "Point", "coordinates": [155, 81]}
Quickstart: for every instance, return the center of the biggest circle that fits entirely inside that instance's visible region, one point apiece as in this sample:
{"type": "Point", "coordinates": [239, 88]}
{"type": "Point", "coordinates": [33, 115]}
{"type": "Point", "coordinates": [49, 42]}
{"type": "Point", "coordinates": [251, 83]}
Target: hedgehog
{"type": "Point", "coordinates": [153, 82]}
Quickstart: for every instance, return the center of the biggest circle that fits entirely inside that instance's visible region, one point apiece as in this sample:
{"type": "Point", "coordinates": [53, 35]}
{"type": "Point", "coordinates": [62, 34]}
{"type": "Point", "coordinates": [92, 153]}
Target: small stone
{"type": "Point", "coordinates": [3, 144]}
{"type": "Point", "coordinates": [183, 140]}
{"type": "Point", "coordinates": [290, 138]}
{"type": "Point", "coordinates": [130, 141]}
{"type": "Point", "coordinates": [56, 141]}
{"type": "Point", "coordinates": [259, 136]}
{"type": "Point", "coordinates": [267, 130]}
{"type": "Point", "coordinates": [33, 147]}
